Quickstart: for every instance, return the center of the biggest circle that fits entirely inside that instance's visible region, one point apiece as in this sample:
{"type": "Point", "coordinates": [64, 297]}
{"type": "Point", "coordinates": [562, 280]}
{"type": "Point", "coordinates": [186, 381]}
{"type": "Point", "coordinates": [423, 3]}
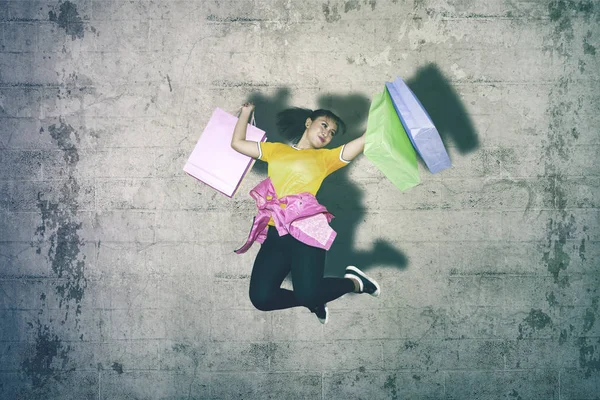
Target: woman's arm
{"type": "Point", "coordinates": [353, 148]}
{"type": "Point", "coordinates": [238, 141]}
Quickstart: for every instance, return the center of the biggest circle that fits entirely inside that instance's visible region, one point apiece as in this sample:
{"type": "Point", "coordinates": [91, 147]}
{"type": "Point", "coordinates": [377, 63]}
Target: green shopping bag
{"type": "Point", "coordinates": [387, 145]}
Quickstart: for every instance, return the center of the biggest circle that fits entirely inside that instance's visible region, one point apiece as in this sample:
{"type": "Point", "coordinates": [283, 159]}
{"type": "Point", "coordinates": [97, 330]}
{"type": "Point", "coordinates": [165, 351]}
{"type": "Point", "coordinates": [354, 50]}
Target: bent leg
{"type": "Point", "coordinates": [310, 287]}
{"type": "Point", "coordinates": [271, 266]}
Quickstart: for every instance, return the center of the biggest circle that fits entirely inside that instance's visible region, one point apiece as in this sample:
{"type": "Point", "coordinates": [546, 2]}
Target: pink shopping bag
{"type": "Point", "coordinates": [214, 162]}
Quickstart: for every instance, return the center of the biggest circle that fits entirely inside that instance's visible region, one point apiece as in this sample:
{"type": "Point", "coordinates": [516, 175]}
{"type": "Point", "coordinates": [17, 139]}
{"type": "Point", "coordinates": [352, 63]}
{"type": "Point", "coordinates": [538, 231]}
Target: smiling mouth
{"type": "Point", "coordinates": [322, 139]}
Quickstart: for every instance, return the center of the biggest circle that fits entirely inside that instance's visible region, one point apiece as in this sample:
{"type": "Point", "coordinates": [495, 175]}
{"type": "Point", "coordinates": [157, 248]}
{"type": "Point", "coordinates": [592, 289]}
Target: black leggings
{"type": "Point", "coordinates": [278, 256]}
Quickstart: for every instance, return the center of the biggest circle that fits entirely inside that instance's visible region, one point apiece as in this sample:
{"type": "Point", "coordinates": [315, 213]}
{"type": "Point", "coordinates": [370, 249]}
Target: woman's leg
{"type": "Point", "coordinates": [271, 266]}
{"type": "Point", "coordinates": [310, 287]}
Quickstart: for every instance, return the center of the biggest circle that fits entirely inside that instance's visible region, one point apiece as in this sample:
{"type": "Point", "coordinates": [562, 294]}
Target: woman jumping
{"type": "Point", "coordinates": [291, 225]}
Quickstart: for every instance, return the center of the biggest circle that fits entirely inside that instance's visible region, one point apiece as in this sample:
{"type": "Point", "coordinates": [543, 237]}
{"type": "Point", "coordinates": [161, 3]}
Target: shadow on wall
{"type": "Point", "coordinates": [344, 199]}
{"type": "Point", "coordinates": [445, 108]}
{"type": "Point", "coordinates": [265, 113]}
{"type": "Point", "coordinates": [339, 193]}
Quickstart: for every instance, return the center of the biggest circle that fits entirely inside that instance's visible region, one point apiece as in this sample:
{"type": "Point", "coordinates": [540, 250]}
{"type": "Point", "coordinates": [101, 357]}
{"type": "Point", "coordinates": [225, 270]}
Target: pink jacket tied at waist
{"type": "Point", "coordinates": [303, 217]}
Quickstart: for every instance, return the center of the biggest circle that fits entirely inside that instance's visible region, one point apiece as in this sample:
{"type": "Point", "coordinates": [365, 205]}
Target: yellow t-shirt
{"type": "Point", "coordinates": [294, 171]}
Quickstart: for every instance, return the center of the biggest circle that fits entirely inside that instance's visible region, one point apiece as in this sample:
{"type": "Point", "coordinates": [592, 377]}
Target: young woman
{"type": "Point", "coordinates": [295, 234]}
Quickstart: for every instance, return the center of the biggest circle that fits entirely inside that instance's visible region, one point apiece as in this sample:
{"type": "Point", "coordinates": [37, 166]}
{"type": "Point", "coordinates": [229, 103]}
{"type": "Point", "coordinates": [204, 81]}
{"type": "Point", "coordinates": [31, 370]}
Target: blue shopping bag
{"type": "Point", "coordinates": [418, 125]}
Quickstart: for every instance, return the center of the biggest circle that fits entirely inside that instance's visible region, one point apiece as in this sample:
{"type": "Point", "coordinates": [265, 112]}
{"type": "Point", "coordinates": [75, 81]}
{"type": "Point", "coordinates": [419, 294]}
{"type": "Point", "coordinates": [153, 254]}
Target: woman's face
{"type": "Point", "coordinates": [320, 131]}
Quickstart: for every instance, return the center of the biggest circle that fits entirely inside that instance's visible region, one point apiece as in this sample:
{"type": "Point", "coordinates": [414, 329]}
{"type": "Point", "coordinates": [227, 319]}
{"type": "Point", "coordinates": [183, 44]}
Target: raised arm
{"type": "Point", "coordinates": [238, 141]}
{"type": "Point", "coordinates": [354, 148]}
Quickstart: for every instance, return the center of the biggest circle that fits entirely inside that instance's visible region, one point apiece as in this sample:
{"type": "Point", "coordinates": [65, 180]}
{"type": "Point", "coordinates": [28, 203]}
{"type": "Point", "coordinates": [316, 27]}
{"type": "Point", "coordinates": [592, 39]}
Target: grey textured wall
{"type": "Point", "coordinates": [117, 276]}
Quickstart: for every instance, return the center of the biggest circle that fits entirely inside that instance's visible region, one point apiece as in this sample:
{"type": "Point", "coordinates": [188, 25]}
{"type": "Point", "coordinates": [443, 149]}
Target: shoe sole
{"type": "Point", "coordinates": [358, 272]}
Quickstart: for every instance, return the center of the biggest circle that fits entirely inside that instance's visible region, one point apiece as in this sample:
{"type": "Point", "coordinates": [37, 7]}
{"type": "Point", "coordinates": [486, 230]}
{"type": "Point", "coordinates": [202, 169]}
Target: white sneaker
{"type": "Point", "coordinates": [366, 283]}
{"type": "Point", "coordinates": [322, 313]}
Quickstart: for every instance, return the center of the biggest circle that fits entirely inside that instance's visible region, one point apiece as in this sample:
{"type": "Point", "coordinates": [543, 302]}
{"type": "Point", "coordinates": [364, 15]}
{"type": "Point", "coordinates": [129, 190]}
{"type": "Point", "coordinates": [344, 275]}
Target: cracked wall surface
{"type": "Point", "coordinates": [117, 273]}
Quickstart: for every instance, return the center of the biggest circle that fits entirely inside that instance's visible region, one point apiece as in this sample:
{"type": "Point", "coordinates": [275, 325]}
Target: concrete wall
{"type": "Point", "coordinates": [117, 276]}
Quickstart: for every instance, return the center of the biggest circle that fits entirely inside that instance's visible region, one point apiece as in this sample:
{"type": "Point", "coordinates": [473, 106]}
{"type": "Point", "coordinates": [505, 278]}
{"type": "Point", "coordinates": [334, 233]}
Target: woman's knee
{"type": "Point", "coordinates": [261, 300]}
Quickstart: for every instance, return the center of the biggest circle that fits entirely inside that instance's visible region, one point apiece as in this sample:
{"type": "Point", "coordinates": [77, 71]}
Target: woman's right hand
{"type": "Point", "coordinates": [248, 108]}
